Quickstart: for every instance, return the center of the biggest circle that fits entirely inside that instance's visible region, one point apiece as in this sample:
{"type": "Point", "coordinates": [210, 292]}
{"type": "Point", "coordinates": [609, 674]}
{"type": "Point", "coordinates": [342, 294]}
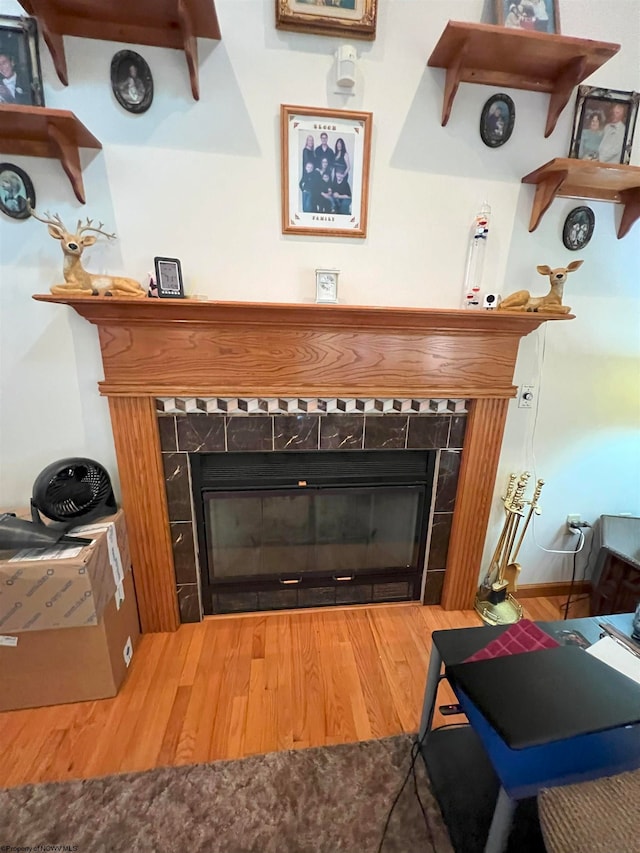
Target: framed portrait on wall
{"type": "Point", "coordinates": [603, 125]}
{"type": "Point", "coordinates": [346, 18]}
{"type": "Point", "coordinates": [540, 16]}
{"type": "Point", "coordinates": [325, 171]}
{"type": "Point", "coordinates": [20, 74]}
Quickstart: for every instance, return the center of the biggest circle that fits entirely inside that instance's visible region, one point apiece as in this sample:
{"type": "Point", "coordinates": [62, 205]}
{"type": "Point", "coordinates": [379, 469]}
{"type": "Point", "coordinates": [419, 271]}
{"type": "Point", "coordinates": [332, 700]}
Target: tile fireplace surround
{"type": "Point", "coordinates": [209, 351]}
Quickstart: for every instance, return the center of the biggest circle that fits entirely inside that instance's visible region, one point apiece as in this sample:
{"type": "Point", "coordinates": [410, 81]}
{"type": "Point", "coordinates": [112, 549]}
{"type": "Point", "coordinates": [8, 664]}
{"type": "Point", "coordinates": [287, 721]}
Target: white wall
{"type": "Point", "coordinates": [201, 181]}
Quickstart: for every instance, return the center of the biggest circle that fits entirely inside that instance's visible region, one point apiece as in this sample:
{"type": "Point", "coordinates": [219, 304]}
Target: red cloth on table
{"type": "Point", "coordinates": [524, 636]}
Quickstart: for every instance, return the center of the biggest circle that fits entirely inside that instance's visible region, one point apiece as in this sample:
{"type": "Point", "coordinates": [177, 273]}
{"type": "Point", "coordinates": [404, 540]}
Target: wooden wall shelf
{"type": "Point", "coordinates": [586, 179]}
{"type": "Point", "coordinates": [159, 23]}
{"type": "Point", "coordinates": [516, 59]}
{"type": "Point", "coordinates": [43, 132]}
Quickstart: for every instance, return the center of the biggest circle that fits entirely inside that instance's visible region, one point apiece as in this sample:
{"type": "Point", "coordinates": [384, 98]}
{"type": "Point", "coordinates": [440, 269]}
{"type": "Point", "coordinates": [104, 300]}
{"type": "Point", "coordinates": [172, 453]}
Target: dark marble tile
{"type": "Point", "coordinates": [341, 432]}
{"type": "Point", "coordinates": [386, 432]}
{"type": "Point", "coordinates": [167, 431]}
{"type": "Point", "coordinates": [458, 428]}
{"type": "Point", "coordinates": [433, 587]}
{"type": "Point", "coordinates": [184, 555]}
{"type": "Point", "coordinates": [277, 599]}
{"type": "Point", "coordinates": [295, 432]}
{"type": "Point", "coordinates": [246, 433]}
{"type": "Point", "coordinates": [201, 433]}
{"type": "Point", "coordinates": [440, 535]}
{"type": "Point", "coordinates": [188, 602]}
{"type": "Point", "coordinates": [400, 591]}
{"type": "Point", "coordinates": [348, 593]}
{"type": "Point", "coordinates": [428, 432]}
{"type": "Point", "coordinates": [318, 597]}
{"type": "Point", "coordinates": [237, 602]}
{"type": "Point", "coordinates": [447, 480]}
{"type": "Point", "coordinates": [176, 475]}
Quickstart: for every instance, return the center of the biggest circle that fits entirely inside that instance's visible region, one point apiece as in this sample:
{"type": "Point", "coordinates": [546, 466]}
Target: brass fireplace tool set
{"type": "Point", "coordinates": [494, 601]}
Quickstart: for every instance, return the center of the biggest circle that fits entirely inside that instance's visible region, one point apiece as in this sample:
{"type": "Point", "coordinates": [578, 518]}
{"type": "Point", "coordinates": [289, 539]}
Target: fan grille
{"type": "Point", "coordinates": [72, 488]}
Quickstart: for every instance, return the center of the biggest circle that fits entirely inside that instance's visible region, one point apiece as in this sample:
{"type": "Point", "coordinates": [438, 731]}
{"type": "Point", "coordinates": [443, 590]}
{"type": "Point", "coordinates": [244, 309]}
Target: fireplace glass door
{"type": "Point", "coordinates": [312, 543]}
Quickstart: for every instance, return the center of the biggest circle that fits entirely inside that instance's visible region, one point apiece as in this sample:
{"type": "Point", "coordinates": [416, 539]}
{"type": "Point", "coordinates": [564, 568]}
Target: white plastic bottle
{"type": "Point", "coordinates": [475, 258]}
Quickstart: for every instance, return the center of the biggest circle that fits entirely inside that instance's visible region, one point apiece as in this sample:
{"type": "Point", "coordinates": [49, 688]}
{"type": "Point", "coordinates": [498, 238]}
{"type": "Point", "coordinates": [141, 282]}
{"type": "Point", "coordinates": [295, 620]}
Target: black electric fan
{"type": "Point", "coordinates": [69, 492]}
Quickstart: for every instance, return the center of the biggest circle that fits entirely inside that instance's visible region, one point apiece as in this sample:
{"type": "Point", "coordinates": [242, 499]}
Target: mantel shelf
{"type": "Point", "coordinates": [516, 59]}
{"type": "Point", "coordinates": [586, 179]}
{"type": "Point", "coordinates": [124, 311]}
{"type": "Point", "coordinates": [159, 23]}
{"type": "Point", "coordinates": [43, 132]}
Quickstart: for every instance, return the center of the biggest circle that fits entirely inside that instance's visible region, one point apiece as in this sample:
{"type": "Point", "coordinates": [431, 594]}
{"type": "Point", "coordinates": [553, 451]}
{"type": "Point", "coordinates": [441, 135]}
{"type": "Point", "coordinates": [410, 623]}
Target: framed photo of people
{"type": "Point", "coordinates": [20, 74]}
{"type": "Point", "coordinates": [540, 16]}
{"type": "Point", "coordinates": [325, 171]}
{"type": "Point", "coordinates": [604, 124]}
{"type": "Point", "coordinates": [345, 18]}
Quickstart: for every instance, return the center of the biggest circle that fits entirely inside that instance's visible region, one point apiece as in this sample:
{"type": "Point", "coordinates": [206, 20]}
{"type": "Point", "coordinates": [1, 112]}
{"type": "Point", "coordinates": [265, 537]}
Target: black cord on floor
{"type": "Point", "coordinates": [415, 752]}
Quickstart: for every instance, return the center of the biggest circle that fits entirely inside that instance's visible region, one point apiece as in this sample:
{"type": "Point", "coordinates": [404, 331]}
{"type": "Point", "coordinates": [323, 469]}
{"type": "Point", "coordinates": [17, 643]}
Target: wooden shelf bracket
{"type": "Point", "coordinates": [69, 156]}
{"type": "Point", "coordinates": [454, 76]}
{"type": "Point", "coordinates": [631, 213]}
{"type": "Point", "coordinates": [574, 72]}
{"type": "Point", "coordinates": [546, 190]}
{"type": "Point", "coordinates": [190, 43]}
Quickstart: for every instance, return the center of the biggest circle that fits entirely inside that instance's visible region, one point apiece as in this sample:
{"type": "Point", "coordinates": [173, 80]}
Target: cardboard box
{"type": "Point", "coordinates": [61, 587]}
{"type": "Point", "coordinates": [70, 664]}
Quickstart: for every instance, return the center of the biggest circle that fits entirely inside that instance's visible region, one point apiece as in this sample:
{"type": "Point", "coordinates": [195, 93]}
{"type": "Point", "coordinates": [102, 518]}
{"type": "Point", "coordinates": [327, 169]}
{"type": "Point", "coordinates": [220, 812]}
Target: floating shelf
{"type": "Point", "coordinates": [159, 23]}
{"type": "Point", "coordinates": [43, 132]}
{"type": "Point", "coordinates": [586, 179]}
{"type": "Point", "coordinates": [516, 59]}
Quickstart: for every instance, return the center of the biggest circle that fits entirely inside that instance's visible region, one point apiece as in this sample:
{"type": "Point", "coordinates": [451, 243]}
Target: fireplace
{"type": "Point", "coordinates": [156, 349]}
{"type": "Point", "coordinates": [297, 529]}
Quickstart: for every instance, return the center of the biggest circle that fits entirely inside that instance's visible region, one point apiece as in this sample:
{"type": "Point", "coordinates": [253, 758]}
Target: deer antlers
{"type": "Point", "coordinates": [56, 222]}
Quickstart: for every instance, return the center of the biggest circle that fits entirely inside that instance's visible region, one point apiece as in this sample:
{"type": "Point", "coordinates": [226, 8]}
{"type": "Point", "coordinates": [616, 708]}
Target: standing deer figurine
{"type": "Point", "coordinates": [77, 281]}
{"type": "Point", "coordinates": [522, 300]}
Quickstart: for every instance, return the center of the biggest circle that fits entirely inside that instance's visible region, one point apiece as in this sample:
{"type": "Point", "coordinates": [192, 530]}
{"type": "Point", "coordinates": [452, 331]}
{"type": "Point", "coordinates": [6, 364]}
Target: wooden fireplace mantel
{"type": "Point", "coordinates": [180, 347]}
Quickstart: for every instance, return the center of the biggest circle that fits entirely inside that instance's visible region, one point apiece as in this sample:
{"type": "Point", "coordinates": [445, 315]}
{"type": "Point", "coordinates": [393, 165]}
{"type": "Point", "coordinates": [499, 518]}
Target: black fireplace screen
{"type": "Point", "coordinates": [305, 528]}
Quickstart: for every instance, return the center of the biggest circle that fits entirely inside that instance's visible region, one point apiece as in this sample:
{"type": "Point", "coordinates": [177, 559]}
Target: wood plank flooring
{"type": "Point", "coordinates": [236, 685]}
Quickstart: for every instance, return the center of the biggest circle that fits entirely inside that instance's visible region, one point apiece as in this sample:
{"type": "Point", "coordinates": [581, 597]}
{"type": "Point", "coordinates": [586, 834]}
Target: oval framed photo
{"type": "Point", "coordinates": [16, 190]}
{"type": "Point", "coordinates": [578, 228]}
{"type": "Point", "coordinates": [497, 120]}
{"type": "Point", "coordinates": [131, 81]}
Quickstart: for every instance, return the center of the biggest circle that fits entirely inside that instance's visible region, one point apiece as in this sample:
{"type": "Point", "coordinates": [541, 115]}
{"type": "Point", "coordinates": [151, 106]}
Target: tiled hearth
{"type": "Point", "coordinates": [217, 425]}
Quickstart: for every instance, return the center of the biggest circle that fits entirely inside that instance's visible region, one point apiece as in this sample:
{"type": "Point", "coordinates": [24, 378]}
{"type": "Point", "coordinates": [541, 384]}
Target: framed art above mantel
{"type": "Point", "coordinates": [346, 18]}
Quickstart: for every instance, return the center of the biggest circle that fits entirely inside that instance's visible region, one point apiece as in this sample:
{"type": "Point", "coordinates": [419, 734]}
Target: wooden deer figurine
{"type": "Point", "coordinates": [522, 300]}
{"type": "Point", "coordinates": [77, 281]}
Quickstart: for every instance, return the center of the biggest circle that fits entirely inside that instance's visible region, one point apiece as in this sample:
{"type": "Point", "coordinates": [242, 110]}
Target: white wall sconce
{"type": "Point", "coordinates": [346, 58]}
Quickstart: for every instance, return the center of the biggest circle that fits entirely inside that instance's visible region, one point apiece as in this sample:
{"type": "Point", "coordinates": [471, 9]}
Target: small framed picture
{"type": "Point", "coordinates": [497, 120]}
{"type": "Point", "coordinates": [169, 278]}
{"type": "Point", "coordinates": [16, 190]}
{"type": "Point", "coordinates": [604, 124]}
{"type": "Point", "coordinates": [342, 18]}
{"type": "Point", "coordinates": [20, 74]}
{"type": "Point", "coordinates": [131, 81]}
{"type": "Point", "coordinates": [327, 285]}
{"type": "Point", "coordinates": [578, 228]}
{"type": "Point", "coordinates": [540, 16]}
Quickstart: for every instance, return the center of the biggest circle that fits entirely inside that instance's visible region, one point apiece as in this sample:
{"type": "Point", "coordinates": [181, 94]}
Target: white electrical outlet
{"type": "Point", "coordinates": [576, 518]}
{"type": "Point", "coordinates": [526, 396]}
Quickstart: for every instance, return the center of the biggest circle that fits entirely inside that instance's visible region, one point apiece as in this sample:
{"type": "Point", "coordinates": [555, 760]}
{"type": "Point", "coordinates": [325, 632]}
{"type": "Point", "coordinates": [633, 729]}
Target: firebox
{"type": "Point", "coordinates": [300, 529]}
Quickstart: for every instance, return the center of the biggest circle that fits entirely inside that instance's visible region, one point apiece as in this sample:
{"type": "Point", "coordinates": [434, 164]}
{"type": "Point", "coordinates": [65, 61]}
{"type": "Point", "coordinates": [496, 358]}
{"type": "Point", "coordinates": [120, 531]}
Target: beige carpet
{"type": "Point", "coordinates": [324, 800]}
{"type": "Point", "coordinates": [602, 816]}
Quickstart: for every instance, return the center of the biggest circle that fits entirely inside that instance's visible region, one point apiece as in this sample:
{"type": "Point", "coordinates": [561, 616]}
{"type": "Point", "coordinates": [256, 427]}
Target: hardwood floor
{"type": "Point", "coordinates": [236, 685]}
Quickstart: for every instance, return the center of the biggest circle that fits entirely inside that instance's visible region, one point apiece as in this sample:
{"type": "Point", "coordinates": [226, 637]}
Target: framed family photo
{"type": "Point", "coordinates": [16, 192]}
{"type": "Point", "coordinates": [131, 81]}
{"type": "Point", "coordinates": [604, 124]}
{"type": "Point", "coordinates": [20, 74]}
{"type": "Point", "coordinates": [347, 18]}
{"type": "Point", "coordinates": [325, 171]}
{"type": "Point", "coordinates": [535, 15]}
